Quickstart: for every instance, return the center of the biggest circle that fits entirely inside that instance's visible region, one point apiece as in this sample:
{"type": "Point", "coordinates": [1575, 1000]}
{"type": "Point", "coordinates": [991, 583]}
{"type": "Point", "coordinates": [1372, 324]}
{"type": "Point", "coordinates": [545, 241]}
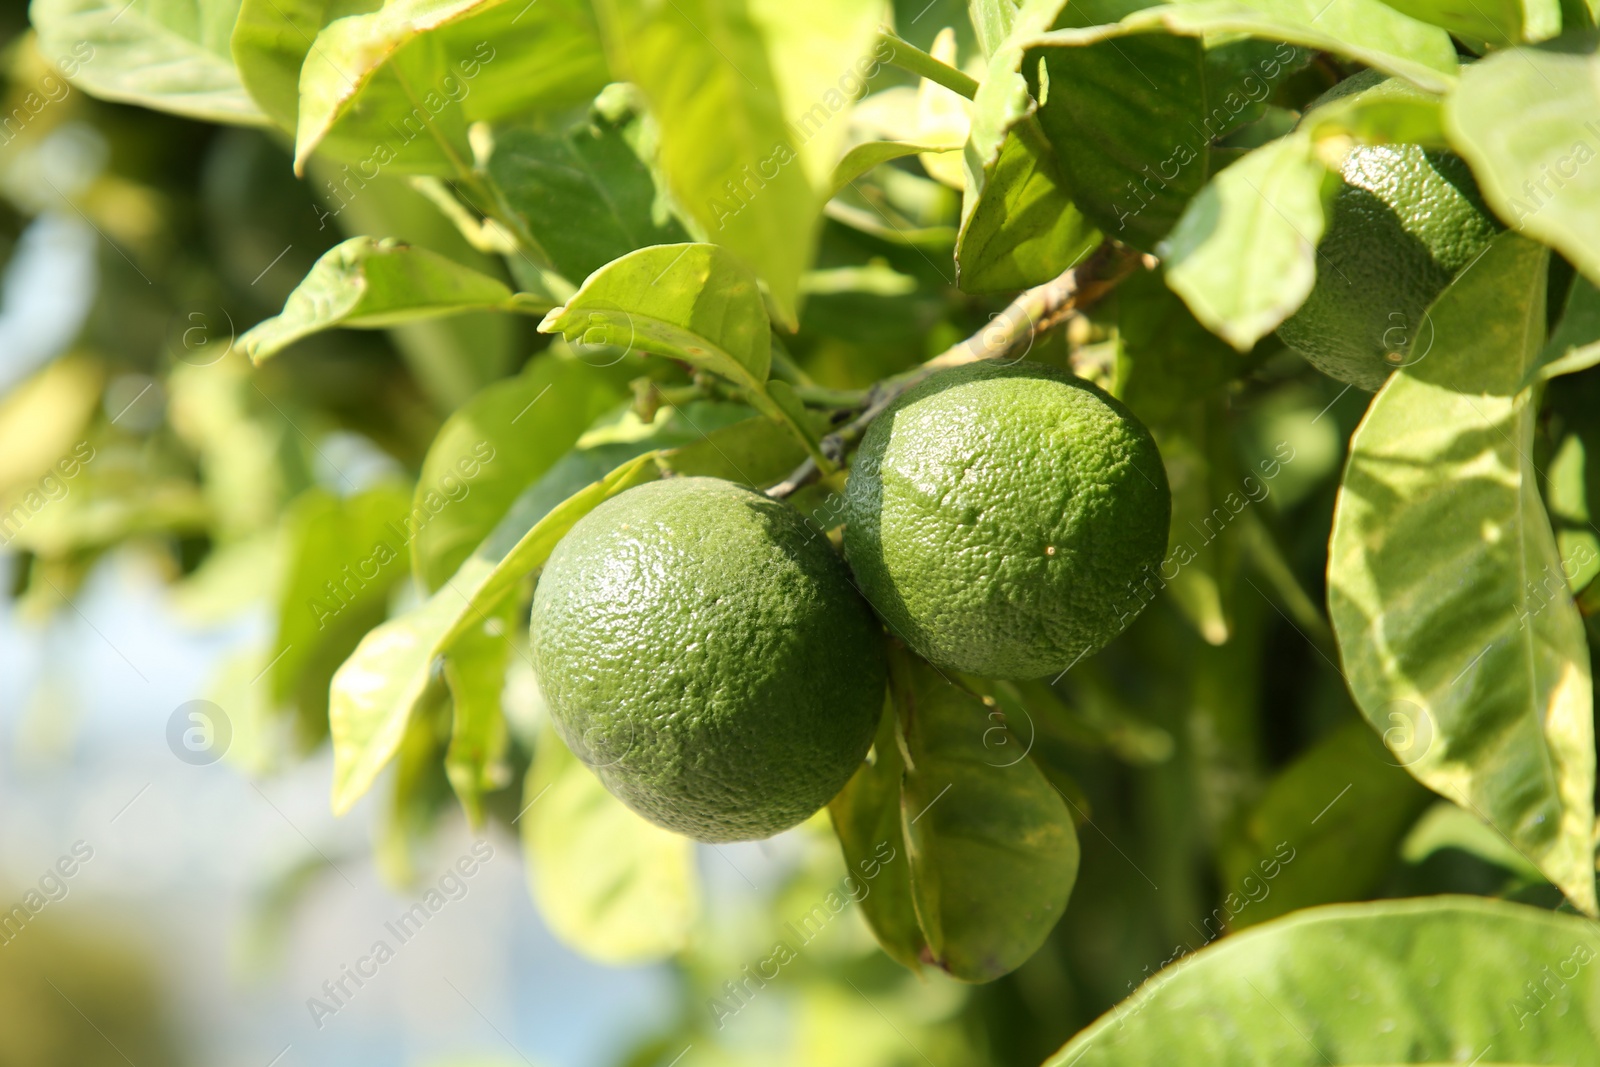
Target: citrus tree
{"type": "Point", "coordinates": [771, 414]}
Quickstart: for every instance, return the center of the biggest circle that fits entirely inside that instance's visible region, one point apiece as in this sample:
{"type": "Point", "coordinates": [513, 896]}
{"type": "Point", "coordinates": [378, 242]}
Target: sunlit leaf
{"type": "Point", "coordinates": [171, 57]}
{"type": "Point", "coordinates": [1478, 678]}
{"type": "Point", "coordinates": [992, 846]}
{"type": "Point", "coordinates": [1244, 254]}
{"type": "Point", "coordinates": [613, 886]}
{"type": "Point", "coordinates": [863, 157]}
{"type": "Point", "coordinates": [1406, 981]}
{"type": "Point", "coordinates": [1528, 121]}
{"type": "Point", "coordinates": [1368, 31]}
{"type": "Point", "coordinates": [370, 283]}
{"type": "Point", "coordinates": [492, 448]}
{"type": "Point", "coordinates": [694, 302]}
{"type": "Point", "coordinates": [866, 818]}
{"type": "Point", "coordinates": [749, 95]}
{"type": "Point", "coordinates": [1496, 22]}
{"type": "Point", "coordinates": [404, 81]}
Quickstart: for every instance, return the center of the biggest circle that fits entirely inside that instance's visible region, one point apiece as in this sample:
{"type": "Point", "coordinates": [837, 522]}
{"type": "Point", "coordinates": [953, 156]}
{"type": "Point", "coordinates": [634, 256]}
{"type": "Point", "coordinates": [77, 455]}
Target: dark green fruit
{"type": "Point", "coordinates": [705, 653]}
{"type": "Point", "coordinates": [998, 518]}
{"type": "Point", "coordinates": [1405, 222]}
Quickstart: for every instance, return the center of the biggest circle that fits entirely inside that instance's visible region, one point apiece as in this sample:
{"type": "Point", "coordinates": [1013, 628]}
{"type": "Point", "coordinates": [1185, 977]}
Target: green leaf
{"type": "Point", "coordinates": [1244, 254]}
{"type": "Point", "coordinates": [611, 885]}
{"type": "Point", "coordinates": [696, 303]}
{"type": "Point", "coordinates": [1391, 112]}
{"type": "Point", "coordinates": [377, 689]}
{"type": "Point", "coordinates": [749, 95]}
{"type": "Point", "coordinates": [370, 283]}
{"type": "Point", "coordinates": [994, 21]}
{"type": "Point", "coordinates": [1497, 22]}
{"type": "Point", "coordinates": [1133, 119]}
{"type": "Point", "coordinates": [1575, 344]}
{"type": "Point", "coordinates": [397, 87]}
{"type": "Point", "coordinates": [992, 846]}
{"type": "Point", "coordinates": [1367, 31]}
{"type": "Point", "coordinates": [587, 191]}
{"type": "Point", "coordinates": [492, 448]}
{"type": "Point", "coordinates": [421, 793]}
{"type": "Point", "coordinates": [1019, 227]}
{"type": "Point", "coordinates": [866, 818]}
{"type": "Point", "coordinates": [269, 45]}
{"type": "Point", "coordinates": [1325, 831]}
{"type": "Point", "coordinates": [1406, 981]}
{"type": "Point", "coordinates": [1445, 826]}
{"type": "Point", "coordinates": [168, 56]}
{"type": "Point", "coordinates": [345, 556]}
{"type": "Point", "coordinates": [1165, 359]}
{"type": "Point", "coordinates": [863, 157]}
{"type": "Point", "coordinates": [1528, 121]}
{"type": "Point", "coordinates": [475, 671]}
{"type": "Point", "coordinates": [1439, 544]}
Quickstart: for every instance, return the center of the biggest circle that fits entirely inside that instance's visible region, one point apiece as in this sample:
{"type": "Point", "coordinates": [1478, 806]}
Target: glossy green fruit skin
{"type": "Point", "coordinates": [705, 653]}
{"type": "Point", "coordinates": [999, 518]}
{"type": "Point", "coordinates": [1405, 221]}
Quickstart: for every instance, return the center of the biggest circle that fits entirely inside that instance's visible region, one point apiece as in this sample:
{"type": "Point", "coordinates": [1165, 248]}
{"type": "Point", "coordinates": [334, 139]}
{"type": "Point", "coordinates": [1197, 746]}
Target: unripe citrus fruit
{"type": "Point", "coordinates": [705, 653]}
{"type": "Point", "coordinates": [1404, 223]}
{"type": "Point", "coordinates": [998, 516]}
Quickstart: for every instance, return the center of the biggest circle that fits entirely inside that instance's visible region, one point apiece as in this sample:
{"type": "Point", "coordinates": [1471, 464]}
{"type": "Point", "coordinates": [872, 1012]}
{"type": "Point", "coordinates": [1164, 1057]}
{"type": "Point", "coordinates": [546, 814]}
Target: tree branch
{"type": "Point", "coordinates": [1030, 314]}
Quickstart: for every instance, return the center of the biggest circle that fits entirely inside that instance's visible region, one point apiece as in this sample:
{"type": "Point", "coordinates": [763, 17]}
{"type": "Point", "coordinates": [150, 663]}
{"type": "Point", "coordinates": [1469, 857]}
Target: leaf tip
{"type": "Point", "coordinates": [552, 318]}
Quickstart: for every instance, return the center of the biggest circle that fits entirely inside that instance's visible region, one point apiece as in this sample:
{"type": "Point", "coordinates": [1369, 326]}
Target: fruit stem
{"type": "Point", "coordinates": [1031, 313]}
{"type": "Point", "coordinates": [909, 57]}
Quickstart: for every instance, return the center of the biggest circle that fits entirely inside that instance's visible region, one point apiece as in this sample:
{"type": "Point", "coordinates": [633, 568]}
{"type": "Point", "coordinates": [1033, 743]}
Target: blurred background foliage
{"type": "Point", "coordinates": [1213, 743]}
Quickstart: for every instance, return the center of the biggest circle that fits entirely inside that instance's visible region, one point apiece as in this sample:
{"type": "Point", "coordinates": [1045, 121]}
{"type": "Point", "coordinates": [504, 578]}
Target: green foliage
{"type": "Point", "coordinates": [587, 189]}
{"type": "Point", "coordinates": [609, 883]}
{"type": "Point", "coordinates": [1440, 531]}
{"type": "Point", "coordinates": [746, 95]}
{"type": "Point", "coordinates": [371, 284]}
{"type": "Point", "coordinates": [162, 55]}
{"type": "Point", "coordinates": [1400, 982]}
{"type": "Point", "coordinates": [405, 80]}
{"type": "Point", "coordinates": [1019, 225]}
{"type": "Point", "coordinates": [492, 448]}
{"type": "Point", "coordinates": [990, 842]}
{"type": "Point", "coordinates": [1525, 120]}
{"type": "Point", "coordinates": [738, 270]}
{"type": "Point", "coordinates": [1244, 254]}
